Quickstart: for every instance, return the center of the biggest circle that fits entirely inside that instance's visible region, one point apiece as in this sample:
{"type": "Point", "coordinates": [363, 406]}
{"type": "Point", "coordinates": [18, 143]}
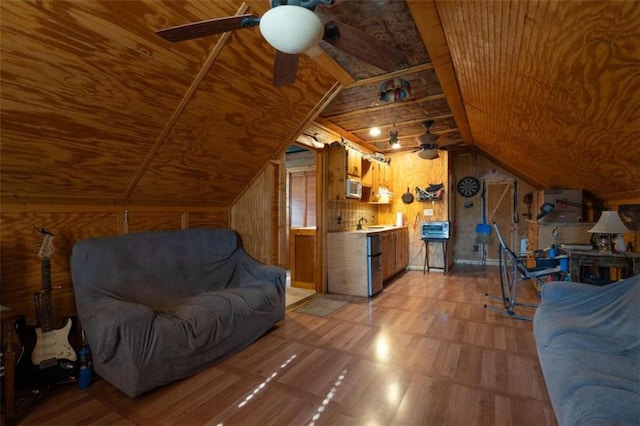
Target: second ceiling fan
{"type": "Point", "coordinates": [428, 149]}
{"type": "Point", "coordinates": [292, 27]}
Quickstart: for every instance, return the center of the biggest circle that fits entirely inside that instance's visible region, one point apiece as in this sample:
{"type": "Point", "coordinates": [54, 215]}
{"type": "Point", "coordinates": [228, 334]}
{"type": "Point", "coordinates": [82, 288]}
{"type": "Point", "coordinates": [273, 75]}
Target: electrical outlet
{"type": "Point", "coordinates": [428, 212]}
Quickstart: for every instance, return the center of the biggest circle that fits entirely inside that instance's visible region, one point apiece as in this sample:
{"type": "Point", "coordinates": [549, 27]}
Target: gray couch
{"type": "Point", "coordinates": [588, 341]}
{"type": "Point", "coordinates": [160, 306]}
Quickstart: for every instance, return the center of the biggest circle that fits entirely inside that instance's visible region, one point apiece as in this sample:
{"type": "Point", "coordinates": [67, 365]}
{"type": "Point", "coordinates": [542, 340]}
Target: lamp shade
{"type": "Point", "coordinates": [291, 29]}
{"type": "Point", "coordinates": [609, 223]}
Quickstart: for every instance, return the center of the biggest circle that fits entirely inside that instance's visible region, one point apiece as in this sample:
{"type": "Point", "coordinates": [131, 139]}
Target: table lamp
{"type": "Point", "coordinates": [609, 223]}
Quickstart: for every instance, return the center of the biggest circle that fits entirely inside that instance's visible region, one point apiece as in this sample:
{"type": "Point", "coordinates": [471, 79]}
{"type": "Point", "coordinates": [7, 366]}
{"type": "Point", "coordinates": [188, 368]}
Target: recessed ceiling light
{"type": "Point", "coordinates": [374, 131]}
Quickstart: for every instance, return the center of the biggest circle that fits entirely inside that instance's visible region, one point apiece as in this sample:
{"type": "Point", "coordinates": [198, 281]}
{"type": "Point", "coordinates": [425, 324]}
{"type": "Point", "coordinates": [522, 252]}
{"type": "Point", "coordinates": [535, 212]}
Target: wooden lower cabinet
{"type": "Point", "coordinates": [388, 254]}
{"type": "Point", "coordinates": [347, 263]}
{"type": "Point", "coordinates": [347, 259]}
{"type": "Point", "coordinates": [402, 249]}
{"type": "Point", "coordinates": [395, 252]}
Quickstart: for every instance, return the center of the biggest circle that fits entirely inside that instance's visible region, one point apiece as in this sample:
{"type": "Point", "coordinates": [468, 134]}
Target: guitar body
{"type": "Point", "coordinates": [32, 369]}
{"type": "Point", "coordinates": [47, 357]}
{"type": "Point", "coordinates": [53, 345]}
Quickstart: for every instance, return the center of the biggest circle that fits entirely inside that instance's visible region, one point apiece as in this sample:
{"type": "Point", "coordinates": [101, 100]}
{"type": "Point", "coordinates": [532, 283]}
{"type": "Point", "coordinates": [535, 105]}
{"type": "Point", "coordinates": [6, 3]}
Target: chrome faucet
{"type": "Point", "coordinates": [359, 227]}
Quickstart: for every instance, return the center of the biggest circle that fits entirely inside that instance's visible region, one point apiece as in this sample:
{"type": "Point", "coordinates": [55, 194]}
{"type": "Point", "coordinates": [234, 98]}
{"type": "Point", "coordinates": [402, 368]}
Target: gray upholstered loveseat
{"type": "Point", "coordinates": [160, 306]}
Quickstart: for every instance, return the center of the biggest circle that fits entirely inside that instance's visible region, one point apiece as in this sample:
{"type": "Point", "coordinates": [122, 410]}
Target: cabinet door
{"type": "Point", "coordinates": [336, 172]}
{"type": "Point", "coordinates": [402, 249]}
{"type": "Point", "coordinates": [354, 163]}
{"type": "Point", "coordinates": [375, 184]}
{"type": "Point", "coordinates": [384, 175]}
{"type": "Point", "coordinates": [367, 172]}
{"type": "Point", "coordinates": [388, 255]}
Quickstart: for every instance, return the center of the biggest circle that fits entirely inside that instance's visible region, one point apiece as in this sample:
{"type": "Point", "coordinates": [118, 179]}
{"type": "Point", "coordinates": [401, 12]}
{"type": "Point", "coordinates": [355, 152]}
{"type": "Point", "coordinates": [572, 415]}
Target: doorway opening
{"type": "Point", "coordinates": [301, 224]}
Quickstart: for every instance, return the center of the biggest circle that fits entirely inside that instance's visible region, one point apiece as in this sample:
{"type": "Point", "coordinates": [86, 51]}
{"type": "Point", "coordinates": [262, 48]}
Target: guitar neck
{"type": "Point", "coordinates": [46, 308]}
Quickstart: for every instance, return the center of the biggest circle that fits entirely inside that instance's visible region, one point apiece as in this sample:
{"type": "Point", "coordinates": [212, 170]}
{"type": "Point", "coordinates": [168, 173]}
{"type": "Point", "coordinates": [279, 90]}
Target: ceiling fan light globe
{"type": "Point", "coordinates": [291, 29]}
{"type": "Point", "coordinates": [428, 154]}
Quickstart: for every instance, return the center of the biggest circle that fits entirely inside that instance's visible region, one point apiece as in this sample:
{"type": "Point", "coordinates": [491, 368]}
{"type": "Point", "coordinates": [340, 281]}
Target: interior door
{"type": "Point", "coordinates": [500, 210]}
{"type": "Point", "coordinates": [302, 232]}
{"type": "Point", "coordinates": [302, 198]}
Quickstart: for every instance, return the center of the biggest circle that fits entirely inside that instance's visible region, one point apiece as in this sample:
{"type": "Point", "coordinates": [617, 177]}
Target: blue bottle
{"type": "Point", "coordinates": [85, 374]}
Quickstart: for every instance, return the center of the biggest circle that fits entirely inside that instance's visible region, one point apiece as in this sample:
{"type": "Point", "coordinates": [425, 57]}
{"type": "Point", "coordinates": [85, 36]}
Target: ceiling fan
{"type": "Point", "coordinates": [292, 27]}
{"type": "Point", "coordinates": [428, 149]}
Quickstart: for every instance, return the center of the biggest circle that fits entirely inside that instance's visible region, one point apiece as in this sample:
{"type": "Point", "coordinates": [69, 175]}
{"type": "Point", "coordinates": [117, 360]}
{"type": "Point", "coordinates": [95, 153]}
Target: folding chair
{"type": "Point", "coordinates": [513, 271]}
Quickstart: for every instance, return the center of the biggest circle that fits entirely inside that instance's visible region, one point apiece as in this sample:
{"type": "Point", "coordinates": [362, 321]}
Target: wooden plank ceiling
{"type": "Point", "coordinates": [549, 90]}
{"type": "Point", "coordinates": [552, 88]}
{"type": "Point", "coordinates": [97, 109]}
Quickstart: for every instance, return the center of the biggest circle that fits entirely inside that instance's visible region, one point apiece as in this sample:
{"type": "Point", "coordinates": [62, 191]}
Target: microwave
{"type": "Point", "coordinates": [435, 230]}
{"type": "Point", "coordinates": [354, 188]}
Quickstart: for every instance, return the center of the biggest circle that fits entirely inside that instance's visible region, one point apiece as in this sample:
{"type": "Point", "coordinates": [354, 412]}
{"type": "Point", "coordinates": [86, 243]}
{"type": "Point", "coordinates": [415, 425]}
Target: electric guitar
{"type": "Point", "coordinates": [47, 357]}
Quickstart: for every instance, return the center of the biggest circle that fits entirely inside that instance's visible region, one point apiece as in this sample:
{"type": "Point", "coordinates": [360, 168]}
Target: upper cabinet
{"type": "Point", "coordinates": [376, 180]}
{"type": "Point", "coordinates": [354, 163]}
{"type": "Point", "coordinates": [374, 176]}
{"type": "Point", "coordinates": [337, 171]}
{"type": "Point", "coordinates": [368, 169]}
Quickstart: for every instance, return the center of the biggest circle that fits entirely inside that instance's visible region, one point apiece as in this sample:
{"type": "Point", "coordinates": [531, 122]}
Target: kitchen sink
{"type": "Point", "coordinates": [377, 227]}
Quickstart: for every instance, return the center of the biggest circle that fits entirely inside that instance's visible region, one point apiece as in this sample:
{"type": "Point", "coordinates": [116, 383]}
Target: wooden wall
{"type": "Point", "coordinates": [409, 171]}
{"type": "Point", "coordinates": [466, 218]}
{"type": "Point", "coordinates": [255, 216]}
{"type": "Point", "coordinates": [21, 268]}
{"type": "Point", "coordinates": [259, 215]}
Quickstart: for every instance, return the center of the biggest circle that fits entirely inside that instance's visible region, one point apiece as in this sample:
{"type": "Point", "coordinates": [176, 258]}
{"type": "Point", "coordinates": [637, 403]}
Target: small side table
{"type": "Point", "coordinates": [8, 319]}
{"type": "Point", "coordinates": [426, 267]}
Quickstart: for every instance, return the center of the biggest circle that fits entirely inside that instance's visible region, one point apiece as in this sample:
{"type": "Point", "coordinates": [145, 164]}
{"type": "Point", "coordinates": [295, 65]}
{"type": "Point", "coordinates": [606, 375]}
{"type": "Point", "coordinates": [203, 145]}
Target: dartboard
{"type": "Point", "coordinates": [468, 186]}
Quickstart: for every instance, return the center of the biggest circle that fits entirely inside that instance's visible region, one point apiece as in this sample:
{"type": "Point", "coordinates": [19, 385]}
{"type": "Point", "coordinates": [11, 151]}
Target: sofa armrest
{"type": "Point", "coordinates": [271, 273]}
{"type": "Point", "coordinates": [253, 270]}
{"type": "Point", "coordinates": [109, 321]}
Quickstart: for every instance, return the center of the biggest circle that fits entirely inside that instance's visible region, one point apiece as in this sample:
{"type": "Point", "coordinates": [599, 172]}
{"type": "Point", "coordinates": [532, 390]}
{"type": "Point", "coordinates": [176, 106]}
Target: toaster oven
{"type": "Point", "coordinates": [434, 230]}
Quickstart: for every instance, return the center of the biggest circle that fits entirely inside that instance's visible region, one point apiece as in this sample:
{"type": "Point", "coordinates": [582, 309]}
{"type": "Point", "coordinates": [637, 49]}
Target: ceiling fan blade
{"type": "Point", "coordinates": [285, 68]}
{"type": "Point", "coordinates": [362, 45]}
{"type": "Point", "coordinates": [446, 143]}
{"type": "Point", "coordinates": [208, 27]}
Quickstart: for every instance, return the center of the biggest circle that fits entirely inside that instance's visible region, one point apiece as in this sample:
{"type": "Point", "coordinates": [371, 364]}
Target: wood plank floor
{"type": "Point", "coordinates": [423, 352]}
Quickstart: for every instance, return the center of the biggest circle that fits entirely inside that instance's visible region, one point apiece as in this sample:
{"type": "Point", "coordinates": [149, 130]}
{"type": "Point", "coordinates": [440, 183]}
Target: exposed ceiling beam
{"type": "Point", "coordinates": [325, 61]}
{"type": "Point", "coordinates": [383, 77]}
{"type": "Point", "coordinates": [409, 123]}
{"type": "Point", "coordinates": [386, 107]}
{"type": "Point", "coordinates": [413, 135]}
{"type": "Point", "coordinates": [321, 122]}
{"type": "Point", "coordinates": [427, 21]}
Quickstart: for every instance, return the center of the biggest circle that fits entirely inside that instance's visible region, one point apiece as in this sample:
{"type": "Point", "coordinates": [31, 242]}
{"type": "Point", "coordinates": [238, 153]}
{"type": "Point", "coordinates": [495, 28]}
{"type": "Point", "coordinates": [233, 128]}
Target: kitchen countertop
{"type": "Point", "coordinates": [372, 229]}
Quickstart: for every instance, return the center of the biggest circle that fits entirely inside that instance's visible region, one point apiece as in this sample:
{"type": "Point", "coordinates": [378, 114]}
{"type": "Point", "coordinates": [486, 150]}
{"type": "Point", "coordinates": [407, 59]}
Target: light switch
{"type": "Point", "coordinates": [428, 212]}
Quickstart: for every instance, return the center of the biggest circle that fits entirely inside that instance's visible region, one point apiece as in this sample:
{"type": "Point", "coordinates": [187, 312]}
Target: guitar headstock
{"type": "Point", "coordinates": [45, 248]}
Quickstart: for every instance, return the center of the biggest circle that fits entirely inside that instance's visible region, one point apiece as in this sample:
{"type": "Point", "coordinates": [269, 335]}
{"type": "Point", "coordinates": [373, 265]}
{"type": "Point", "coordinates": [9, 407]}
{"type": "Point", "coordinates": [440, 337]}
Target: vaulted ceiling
{"type": "Point", "coordinates": [97, 108]}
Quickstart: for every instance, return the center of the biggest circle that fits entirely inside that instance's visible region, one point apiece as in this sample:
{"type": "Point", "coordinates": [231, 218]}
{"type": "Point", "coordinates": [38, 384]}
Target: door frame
{"type": "Point", "coordinates": [505, 192]}
{"type": "Point", "coordinates": [321, 220]}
